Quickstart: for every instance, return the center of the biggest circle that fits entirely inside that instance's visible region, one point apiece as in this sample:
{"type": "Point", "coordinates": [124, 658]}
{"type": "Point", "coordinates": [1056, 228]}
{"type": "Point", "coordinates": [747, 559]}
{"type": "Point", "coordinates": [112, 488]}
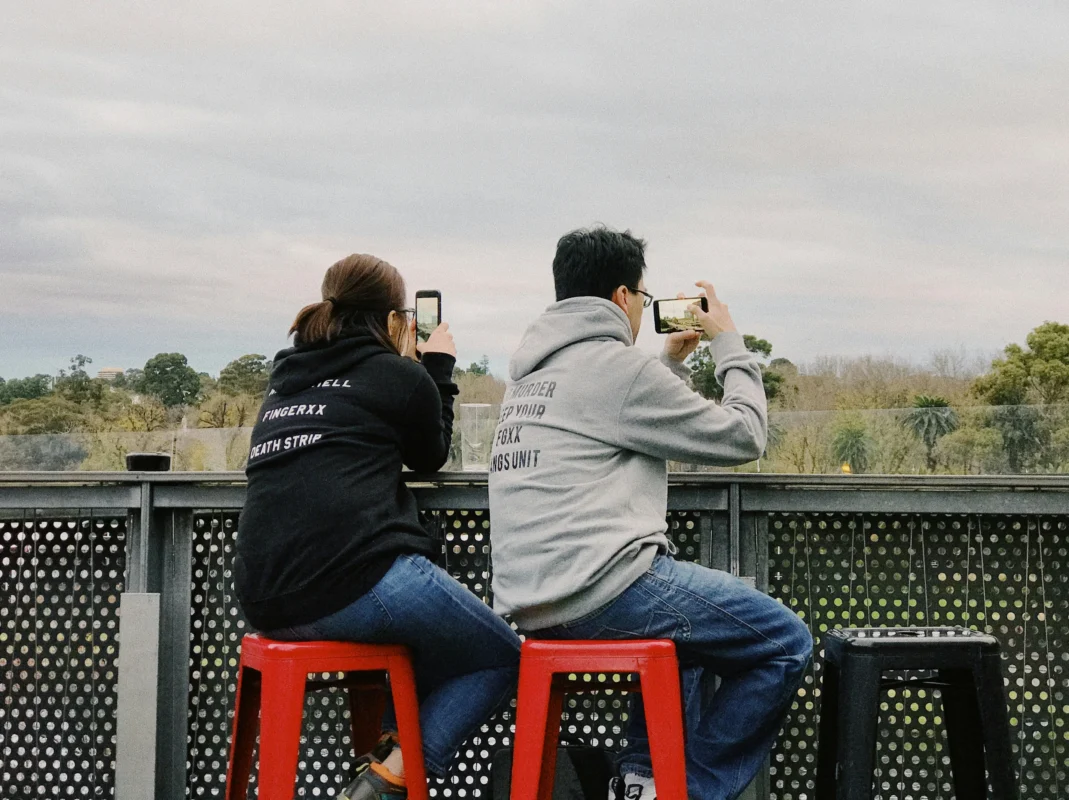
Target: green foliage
{"type": "Point", "coordinates": [50, 414]}
{"type": "Point", "coordinates": [970, 450]}
{"type": "Point", "coordinates": [703, 370]}
{"type": "Point", "coordinates": [169, 378]}
{"type": "Point", "coordinates": [760, 346]}
{"type": "Point", "coordinates": [24, 388]}
{"type": "Point", "coordinates": [930, 419]}
{"type": "Point", "coordinates": [1025, 436]}
{"type": "Point", "coordinates": [1039, 373]}
{"type": "Point", "coordinates": [77, 386]}
{"type": "Point", "coordinates": [246, 375]}
{"type": "Point", "coordinates": [851, 444]}
{"type": "Point", "coordinates": [480, 367]}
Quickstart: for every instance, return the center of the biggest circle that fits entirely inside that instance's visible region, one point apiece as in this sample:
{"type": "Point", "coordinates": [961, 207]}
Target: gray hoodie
{"type": "Point", "coordinates": [578, 480]}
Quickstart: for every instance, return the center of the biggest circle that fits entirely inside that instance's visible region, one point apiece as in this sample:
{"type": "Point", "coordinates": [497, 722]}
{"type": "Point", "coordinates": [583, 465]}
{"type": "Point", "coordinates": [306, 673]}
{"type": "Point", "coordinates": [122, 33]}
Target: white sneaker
{"type": "Point", "coordinates": [632, 787]}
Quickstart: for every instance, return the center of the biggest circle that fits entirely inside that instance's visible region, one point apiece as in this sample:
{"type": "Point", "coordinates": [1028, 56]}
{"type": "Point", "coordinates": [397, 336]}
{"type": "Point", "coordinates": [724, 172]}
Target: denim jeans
{"type": "Point", "coordinates": [466, 658]}
{"type": "Point", "coordinates": [722, 628]}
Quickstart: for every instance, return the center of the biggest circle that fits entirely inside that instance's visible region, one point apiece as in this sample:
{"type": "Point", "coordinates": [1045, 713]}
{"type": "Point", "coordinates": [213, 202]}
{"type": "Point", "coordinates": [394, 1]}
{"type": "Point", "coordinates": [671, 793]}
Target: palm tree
{"type": "Point", "coordinates": [852, 445]}
{"type": "Point", "coordinates": [930, 419]}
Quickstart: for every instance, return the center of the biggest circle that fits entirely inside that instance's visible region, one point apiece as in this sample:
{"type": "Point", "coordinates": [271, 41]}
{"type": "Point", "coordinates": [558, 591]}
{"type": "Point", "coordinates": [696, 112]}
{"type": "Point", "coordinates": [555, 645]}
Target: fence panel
{"type": "Point", "coordinates": [1005, 575]}
{"type": "Point", "coordinates": [60, 582]}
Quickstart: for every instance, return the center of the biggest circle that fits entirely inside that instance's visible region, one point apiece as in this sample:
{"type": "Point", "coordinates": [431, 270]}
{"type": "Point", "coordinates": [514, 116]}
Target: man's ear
{"type": "Point", "coordinates": [620, 297]}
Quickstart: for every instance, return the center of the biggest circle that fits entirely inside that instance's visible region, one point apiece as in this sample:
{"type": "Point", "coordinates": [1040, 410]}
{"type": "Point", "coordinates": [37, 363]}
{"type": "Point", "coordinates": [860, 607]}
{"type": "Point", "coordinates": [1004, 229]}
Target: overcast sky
{"type": "Point", "coordinates": [854, 178]}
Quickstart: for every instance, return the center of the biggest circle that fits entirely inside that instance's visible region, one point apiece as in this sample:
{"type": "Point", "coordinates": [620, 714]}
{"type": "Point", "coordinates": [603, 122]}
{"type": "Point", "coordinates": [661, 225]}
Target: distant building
{"type": "Point", "coordinates": [109, 373]}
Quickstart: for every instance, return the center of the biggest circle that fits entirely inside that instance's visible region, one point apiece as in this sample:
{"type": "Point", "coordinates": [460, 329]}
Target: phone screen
{"type": "Point", "coordinates": [675, 315]}
{"type": "Point", "coordinates": [426, 316]}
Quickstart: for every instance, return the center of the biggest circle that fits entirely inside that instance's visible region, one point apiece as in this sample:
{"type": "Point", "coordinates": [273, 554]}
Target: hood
{"type": "Point", "coordinates": [577, 319]}
{"type": "Point", "coordinates": [297, 368]}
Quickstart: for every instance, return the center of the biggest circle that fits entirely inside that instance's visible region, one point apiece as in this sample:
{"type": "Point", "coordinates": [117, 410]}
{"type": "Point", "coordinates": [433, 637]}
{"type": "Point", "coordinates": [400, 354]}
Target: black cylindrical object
{"type": "Point", "coordinates": [148, 462]}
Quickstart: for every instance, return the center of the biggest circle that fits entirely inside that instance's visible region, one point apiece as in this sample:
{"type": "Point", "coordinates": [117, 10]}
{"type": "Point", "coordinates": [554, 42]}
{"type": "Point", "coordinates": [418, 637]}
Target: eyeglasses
{"type": "Point", "coordinates": [647, 297]}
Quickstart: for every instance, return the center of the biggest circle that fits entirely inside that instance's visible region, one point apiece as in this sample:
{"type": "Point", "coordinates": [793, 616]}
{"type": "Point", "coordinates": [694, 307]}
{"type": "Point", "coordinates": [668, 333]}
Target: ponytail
{"type": "Point", "coordinates": [313, 323]}
{"type": "Point", "coordinates": [359, 292]}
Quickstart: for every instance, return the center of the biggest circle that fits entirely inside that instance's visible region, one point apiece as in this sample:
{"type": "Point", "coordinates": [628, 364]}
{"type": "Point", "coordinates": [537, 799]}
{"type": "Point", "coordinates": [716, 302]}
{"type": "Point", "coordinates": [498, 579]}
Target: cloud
{"type": "Point", "coordinates": [853, 178]}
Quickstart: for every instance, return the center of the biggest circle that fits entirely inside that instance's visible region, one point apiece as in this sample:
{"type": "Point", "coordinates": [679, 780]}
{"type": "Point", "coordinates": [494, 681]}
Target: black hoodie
{"type": "Point", "coordinates": [327, 511]}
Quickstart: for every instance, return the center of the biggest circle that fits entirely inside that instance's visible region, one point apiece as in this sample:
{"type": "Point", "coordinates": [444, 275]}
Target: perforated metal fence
{"type": "Point", "coordinates": [60, 582]}
{"type": "Point", "coordinates": [1005, 575]}
{"type": "Point", "coordinates": [862, 552]}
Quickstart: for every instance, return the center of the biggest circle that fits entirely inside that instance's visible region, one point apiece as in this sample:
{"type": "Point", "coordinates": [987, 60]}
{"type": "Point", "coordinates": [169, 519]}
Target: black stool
{"type": "Point", "coordinates": [974, 703]}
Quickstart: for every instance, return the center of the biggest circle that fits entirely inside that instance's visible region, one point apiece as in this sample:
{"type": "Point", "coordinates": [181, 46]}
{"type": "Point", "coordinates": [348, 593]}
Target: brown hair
{"type": "Point", "coordinates": [359, 291]}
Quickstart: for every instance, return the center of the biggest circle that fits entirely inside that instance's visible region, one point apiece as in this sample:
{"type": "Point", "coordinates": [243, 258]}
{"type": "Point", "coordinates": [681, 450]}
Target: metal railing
{"type": "Point", "coordinates": [119, 632]}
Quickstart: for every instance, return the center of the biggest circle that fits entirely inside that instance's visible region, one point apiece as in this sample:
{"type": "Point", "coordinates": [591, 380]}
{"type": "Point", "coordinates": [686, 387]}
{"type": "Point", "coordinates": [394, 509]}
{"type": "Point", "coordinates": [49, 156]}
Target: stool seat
{"type": "Point", "coordinates": [271, 684]}
{"type": "Point", "coordinates": [969, 676]}
{"type": "Point", "coordinates": [257, 649]}
{"type": "Point", "coordinates": [540, 700]}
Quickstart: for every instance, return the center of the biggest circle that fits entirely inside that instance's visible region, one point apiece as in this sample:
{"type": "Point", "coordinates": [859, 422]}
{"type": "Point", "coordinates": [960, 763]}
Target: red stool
{"type": "Point", "coordinates": [274, 674]}
{"type": "Point", "coordinates": [541, 699]}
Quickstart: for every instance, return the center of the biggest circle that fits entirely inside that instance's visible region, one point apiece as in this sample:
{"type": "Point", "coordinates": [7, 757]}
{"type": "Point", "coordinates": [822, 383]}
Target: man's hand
{"type": "Point", "coordinates": [717, 319]}
{"type": "Point", "coordinates": [679, 345]}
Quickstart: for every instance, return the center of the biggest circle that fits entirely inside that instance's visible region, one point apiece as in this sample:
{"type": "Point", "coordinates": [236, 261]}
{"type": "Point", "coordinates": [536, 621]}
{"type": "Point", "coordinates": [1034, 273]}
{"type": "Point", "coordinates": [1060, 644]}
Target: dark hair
{"type": "Point", "coordinates": [359, 292]}
{"type": "Point", "coordinates": [595, 261]}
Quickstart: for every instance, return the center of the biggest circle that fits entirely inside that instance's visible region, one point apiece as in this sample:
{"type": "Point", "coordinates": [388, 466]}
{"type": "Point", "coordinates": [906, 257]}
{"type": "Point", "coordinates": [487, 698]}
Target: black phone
{"type": "Point", "coordinates": [670, 316]}
{"type": "Point", "coordinates": [428, 313]}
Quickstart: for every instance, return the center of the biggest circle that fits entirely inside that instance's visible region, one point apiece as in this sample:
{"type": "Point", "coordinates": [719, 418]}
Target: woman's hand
{"type": "Point", "coordinates": [409, 350]}
{"type": "Point", "coordinates": [440, 341]}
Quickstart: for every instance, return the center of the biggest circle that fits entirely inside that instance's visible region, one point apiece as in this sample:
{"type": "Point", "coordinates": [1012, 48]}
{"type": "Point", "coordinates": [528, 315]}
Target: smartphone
{"type": "Point", "coordinates": [674, 315]}
{"type": "Point", "coordinates": [428, 313]}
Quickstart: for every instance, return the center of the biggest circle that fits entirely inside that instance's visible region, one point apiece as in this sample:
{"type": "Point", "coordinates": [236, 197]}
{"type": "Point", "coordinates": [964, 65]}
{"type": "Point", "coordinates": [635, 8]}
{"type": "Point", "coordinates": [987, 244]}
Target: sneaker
{"type": "Point", "coordinates": [632, 787]}
{"type": "Point", "coordinates": [370, 785]}
{"type": "Point", "coordinates": [383, 747]}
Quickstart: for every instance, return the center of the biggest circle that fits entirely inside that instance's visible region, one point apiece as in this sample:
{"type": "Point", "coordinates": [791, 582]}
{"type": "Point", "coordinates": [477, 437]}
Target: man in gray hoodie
{"type": "Point", "coordinates": [578, 502]}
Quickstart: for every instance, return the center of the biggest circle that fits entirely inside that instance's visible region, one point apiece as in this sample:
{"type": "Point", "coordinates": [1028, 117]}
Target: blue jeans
{"type": "Point", "coordinates": [722, 628]}
{"type": "Point", "coordinates": [466, 658]}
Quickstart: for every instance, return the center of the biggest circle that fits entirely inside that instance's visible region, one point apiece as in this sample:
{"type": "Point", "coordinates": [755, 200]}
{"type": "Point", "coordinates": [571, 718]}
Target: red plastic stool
{"type": "Point", "coordinates": [273, 674]}
{"type": "Point", "coordinates": [544, 667]}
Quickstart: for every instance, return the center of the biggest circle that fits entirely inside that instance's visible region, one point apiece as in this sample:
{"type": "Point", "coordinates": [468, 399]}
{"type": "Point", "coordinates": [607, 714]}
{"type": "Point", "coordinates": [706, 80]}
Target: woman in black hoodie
{"type": "Point", "coordinates": [330, 544]}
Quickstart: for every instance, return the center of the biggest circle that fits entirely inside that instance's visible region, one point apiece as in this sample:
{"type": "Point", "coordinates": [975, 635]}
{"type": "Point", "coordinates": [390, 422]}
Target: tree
{"type": "Point", "coordinates": [76, 385]}
{"type": "Point", "coordinates": [24, 388]}
{"type": "Point", "coordinates": [703, 375]}
{"type": "Point", "coordinates": [852, 444]}
{"type": "Point", "coordinates": [970, 449]}
{"type": "Point", "coordinates": [169, 377]}
{"type": "Point", "coordinates": [1025, 436]}
{"type": "Point", "coordinates": [50, 414]}
{"type": "Point", "coordinates": [246, 375]}
{"type": "Point", "coordinates": [480, 367]}
{"type": "Point", "coordinates": [930, 419]}
{"type": "Point", "coordinates": [1039, 373]}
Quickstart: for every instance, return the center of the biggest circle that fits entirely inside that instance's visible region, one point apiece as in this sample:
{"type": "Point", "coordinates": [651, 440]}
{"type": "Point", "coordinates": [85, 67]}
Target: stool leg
{"type": "Point", "coordinates": [365, 717]}
{"type": "Point", "coordinates": [243, 739]}
{"type": "Point", "coordinates": [548, 775]}
{"type": "Point", "coordinates": [859, 712]}
{"type": "Point", "coordinates": [533, 723]}
{"type": "Point", "coordinates": [406, 706]}
{"type": "Point", "coordinates": [965, 740]}
{"type": "Point", "coordinates": [280, 730]}
{"type": "Point", "coordinates": [991, 693]}
{"type": "Point", "coordinates": [662, 699]}
{"type": "Point", "coordinates": [828, 743]}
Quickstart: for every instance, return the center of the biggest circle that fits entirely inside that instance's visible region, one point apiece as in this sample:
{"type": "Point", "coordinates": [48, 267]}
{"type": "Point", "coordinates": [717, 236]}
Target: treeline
{"type": "Point", "coordinates": [952, 415]}
{"type": "Point", "coordinates": [1010, 415]}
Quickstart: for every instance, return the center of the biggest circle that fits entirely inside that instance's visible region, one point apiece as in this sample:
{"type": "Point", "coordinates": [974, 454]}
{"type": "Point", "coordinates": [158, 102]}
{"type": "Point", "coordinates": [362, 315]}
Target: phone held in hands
{"type": "Point", "coordinates": [671, 316]}
{"type": "Point", "coordinates": [428, 313]}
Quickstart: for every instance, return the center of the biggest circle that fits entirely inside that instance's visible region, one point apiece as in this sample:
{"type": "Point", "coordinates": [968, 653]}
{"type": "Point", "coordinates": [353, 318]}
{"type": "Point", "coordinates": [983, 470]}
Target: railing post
{"type": "Point", "coordinates": [173, 702]}
{"type": "Point", "coordinates": [734, 527]}
{"type": "Point", "coordinates": [138, 667]}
